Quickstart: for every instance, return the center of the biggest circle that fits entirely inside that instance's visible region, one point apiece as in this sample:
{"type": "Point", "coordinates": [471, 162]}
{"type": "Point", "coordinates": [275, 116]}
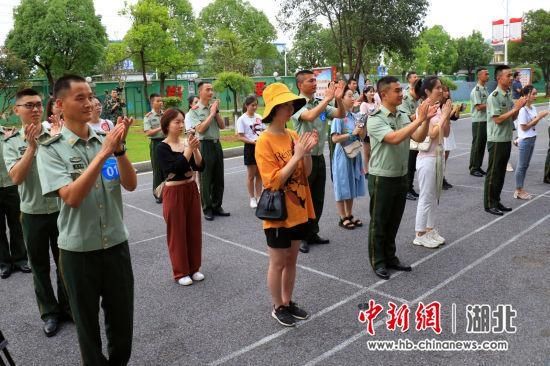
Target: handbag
{"type": "Point", "coordinates": [272, 204]}
{"type": "Point", "coordinates": [160, 187]}
{"type": "Point", "coordinates": [353, 149]}
{"type": "Point", "coordinates": [421, 146]}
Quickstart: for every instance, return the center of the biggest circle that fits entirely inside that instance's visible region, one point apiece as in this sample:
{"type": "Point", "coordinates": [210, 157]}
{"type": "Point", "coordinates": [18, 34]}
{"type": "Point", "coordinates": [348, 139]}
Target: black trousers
{"type": "Point", "coordinates": [411, 168]}
{"type": "Point", "coordinates": [387, 204]}
{"type": "Point", "coordinates": [41, 234]}
{"type": "Point", "coordinates": [12, 252]}
{"type": "Point", "coordinates": [157, 173]}
{"type": "Point", "coordinates": [106, 275]}
{"type": "Point", "coordinates": [212, 180]}
{"type": "Point", "coordinates": [499, 154]}
{"type": "Point", "coordinates": [317, 180]}
{"type": "Point", "coordinates": [479, 141]}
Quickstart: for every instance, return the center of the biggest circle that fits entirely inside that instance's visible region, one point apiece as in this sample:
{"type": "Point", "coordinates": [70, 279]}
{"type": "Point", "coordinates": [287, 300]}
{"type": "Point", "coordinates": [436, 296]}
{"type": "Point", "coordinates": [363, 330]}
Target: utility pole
{"type": "Point", "coordinates": [506, 34]}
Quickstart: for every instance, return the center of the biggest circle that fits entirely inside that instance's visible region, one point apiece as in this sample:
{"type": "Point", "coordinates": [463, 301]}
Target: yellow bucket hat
{"type": "Point", "coordinates": [276, 94]}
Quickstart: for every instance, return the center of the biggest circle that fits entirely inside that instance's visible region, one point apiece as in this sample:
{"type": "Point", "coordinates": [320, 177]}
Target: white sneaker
{"type": "Point", "coordinates": [197, 276]}
{"type": "Point", "coordinates": [425, 241]}
{"type": "Point", "coordinates": [434, 235]}
{"type": "Point", "coordinates": [253, 203]}
{"type": "Point", "coordinates": [509, 168]}
{"type": "Point", "coordinates": [185, 281]}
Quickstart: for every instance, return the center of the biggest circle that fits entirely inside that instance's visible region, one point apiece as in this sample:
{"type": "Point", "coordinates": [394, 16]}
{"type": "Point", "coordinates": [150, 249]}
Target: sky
{"type": "Point", "coordinates": [458, 20]}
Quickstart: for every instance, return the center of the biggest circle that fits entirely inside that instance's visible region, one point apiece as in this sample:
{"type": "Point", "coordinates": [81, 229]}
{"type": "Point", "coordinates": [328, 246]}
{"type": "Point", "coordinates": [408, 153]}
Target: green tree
{"type": "Point", "coordinates": [58, 36]}
{"type": "Point", "coordinates": [472, 51]}
{"type": "Point", "coordinates": [535, 46]}
{"type": "Point", "coordinates": [238, 84]}
{"type": "Point", "coordinates": [14, 74]}
{"type": "Point", "coordinates": [236, 35]}
{"type": "Point", "coordinates": [163, 37]}
{"type": "Point", "coordinates": [360, 29]}
{"type": "Point", "coordinates": [313, 46]}
{"type": "Point", "coordinates": [435, 51]}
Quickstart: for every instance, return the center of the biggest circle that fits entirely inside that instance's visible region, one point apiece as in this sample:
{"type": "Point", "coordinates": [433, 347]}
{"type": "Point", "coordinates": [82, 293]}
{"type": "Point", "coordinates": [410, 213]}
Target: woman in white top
{"type": "Point", "coordinates": [249, 126]}
{"type": "Point", "coordinates": [426, 164]}
{"type": "Point", "coordinates": [369, 106]}
{"type": "Point", "coordinates": [52, 112]}
{"type": "Point", "coordinates": [96, 123]}
{"type": "Point", "coordinates": [527, 135]}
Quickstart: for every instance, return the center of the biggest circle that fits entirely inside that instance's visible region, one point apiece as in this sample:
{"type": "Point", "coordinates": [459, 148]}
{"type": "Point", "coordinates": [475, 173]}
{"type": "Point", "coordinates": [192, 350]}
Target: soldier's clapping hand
{"type": "Point", "coordinates": [114, 139]}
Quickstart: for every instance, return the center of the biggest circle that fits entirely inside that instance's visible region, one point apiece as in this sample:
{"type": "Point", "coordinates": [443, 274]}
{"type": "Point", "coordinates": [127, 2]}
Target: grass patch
{"type": "Point", "coordinates": [138, 143]}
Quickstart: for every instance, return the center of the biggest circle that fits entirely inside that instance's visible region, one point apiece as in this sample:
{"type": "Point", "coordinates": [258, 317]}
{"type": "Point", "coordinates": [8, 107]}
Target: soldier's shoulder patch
{"type": "Point", "coordinates": [196, 106]}
{"type": "Point", "coordinates": [378, 111]}
{"type": "Point", "coordinates": [101, 133]}
{"type": "Point", "coordinates": [477, 88]}
{"type": "Point", "coordinates": [50, 140]}
{"type": "Point", "coordinates": [14, 133]}
{"type": "Point", "coordinates": [149, 114]}
{"type": "Point", "coordinates": [495, 93]}
{"type": "Point", "coordinates": [405, 97]}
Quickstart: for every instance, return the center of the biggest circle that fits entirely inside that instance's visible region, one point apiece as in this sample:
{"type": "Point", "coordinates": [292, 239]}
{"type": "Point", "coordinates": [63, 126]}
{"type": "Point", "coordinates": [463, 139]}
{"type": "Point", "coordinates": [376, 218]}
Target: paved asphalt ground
{"type": "Point", "coordinates": [226, 318]}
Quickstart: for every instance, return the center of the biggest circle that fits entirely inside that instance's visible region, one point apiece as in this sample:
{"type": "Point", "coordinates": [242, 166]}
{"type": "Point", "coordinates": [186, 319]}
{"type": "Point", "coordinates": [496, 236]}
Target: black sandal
{"type": "Point", "coordinates": [357, 223]}
{"type": "Point", "coordinates": [346, 223]}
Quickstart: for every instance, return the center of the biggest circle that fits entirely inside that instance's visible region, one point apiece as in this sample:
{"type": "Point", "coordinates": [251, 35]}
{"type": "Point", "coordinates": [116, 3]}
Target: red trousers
{"type": "Point", "coordinates": [181, 208]}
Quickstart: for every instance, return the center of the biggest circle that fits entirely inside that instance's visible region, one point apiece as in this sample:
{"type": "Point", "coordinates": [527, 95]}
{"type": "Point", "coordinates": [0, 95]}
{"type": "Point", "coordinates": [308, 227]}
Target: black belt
{"type": "Point", "coordinates": [157, 139]}
{"type": "Point", "coordinates": [215, 141]}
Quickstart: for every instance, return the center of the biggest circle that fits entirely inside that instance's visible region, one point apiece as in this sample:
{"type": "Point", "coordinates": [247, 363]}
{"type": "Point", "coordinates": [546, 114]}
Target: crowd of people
{"type": "Point", "coordinates": [61, 179]}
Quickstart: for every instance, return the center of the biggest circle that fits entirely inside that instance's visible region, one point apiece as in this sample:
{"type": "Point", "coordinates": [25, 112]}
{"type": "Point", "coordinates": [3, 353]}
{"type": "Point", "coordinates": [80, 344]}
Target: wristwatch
{"type": "Point", "coordinates": [121, 152]}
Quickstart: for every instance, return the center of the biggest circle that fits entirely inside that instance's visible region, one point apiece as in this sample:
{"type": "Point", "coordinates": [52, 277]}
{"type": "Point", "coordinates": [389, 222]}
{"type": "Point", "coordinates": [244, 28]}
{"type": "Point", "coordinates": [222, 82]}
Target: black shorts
{"type": "Point", "coordinates": [280, 238]}
{"type": "Point", "coordinates": [249, 158]}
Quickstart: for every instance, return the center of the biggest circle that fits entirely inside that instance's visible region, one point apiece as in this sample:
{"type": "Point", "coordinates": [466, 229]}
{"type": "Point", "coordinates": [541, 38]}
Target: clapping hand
{"type": "Point", "coordinates": [520, 103]}
{"type": "Point", "coordinates": [127, 122]}
{"type": "Point", "coordinates": [339, 93]}
{"type": "Point", "coordinates": [56, 123]}
{"type": "Point", "coordinates": [330, 92]}
{"type": "Point", "coordinates": [114, 139]}
{"type": "Point", "coordinates": [447, 108]}
{"type": "Point", "coordinates": [31, 134]}
{"type": "Point", "coordinates": [214, 107]}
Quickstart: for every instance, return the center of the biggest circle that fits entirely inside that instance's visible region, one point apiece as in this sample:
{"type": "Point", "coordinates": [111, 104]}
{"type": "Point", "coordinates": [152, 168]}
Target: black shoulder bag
{"type": "Point", "coordinates": [272, 204]}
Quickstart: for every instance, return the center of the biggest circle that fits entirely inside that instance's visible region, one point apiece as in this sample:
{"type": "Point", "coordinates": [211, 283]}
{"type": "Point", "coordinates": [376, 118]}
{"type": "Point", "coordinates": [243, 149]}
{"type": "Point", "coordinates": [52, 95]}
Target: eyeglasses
{"type": "Point", "coordinates": [31, 106]}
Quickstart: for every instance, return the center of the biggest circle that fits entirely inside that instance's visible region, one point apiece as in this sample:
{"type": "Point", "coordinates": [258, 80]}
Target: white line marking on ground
{"type": "Point", "coordinates": [273, 336]}
{"type": "Point", "coordinates": [361, 334]}
{"type": "Point", "coordinates": [146, 240]}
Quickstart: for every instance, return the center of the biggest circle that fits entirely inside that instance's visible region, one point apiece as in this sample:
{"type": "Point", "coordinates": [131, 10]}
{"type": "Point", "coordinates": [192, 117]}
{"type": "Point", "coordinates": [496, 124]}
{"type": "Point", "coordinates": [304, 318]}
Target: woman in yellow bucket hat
{"type": "Point", "coordinates": [284, 162]}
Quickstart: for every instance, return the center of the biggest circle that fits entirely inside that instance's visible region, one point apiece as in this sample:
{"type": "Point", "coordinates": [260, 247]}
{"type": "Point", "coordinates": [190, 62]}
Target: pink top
{"type": "Point", "coordinates": [433, 142]}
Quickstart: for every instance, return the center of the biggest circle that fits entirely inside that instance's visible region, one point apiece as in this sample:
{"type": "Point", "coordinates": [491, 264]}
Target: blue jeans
{"type": "Point", "coordinates": [526, 147]}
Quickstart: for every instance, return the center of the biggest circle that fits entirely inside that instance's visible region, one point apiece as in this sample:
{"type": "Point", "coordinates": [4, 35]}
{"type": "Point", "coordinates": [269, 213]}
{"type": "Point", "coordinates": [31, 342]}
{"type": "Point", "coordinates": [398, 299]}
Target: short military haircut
{"type": "Point", "coordinates": [480, 69]}
{"type": "Point", "coordinates": [27, 92]}
{"type": "Point", "coordinates": [63, 84]}
{"type": "Point", "coordinates": [350, 80]}
{"type": "Point", "coordinates": [384, 83]}
{"type": "Point", "coordinates": [199, 85]}
{"type": "Point", "coordinates": [153, 96]}
{"type": "Point", "coordinates": [499, 69]}
{"type": "Point", "coordinates": [410, 73]}
{"type": "Point", "coordinates": [300, 75]}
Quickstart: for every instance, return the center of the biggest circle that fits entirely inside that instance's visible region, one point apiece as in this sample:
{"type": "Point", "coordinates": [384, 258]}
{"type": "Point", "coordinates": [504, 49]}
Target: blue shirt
{"type": "Point", "coordinates": [515, 86]}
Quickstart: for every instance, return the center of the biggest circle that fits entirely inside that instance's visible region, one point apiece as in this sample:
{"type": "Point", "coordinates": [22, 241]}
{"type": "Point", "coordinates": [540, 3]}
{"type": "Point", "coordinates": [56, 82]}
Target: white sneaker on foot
{"type": "Point", "coordinates": [434, 235]}
{"type": "Point", "coordinates": [197, 276]}
{"type": "Point", "coordinates": [185, 281]}
{"type": "Point", "coordinates": [509, 168]}
{"type": "Point", "coordinates": [425, 241]}
{"type": "Point", "coordinates": [253, 203]}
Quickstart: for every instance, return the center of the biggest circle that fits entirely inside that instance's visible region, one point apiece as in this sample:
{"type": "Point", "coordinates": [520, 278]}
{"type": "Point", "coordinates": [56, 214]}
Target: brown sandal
{"type": "Point", "coordinates": [357, 223]}
{"type": "Point", "coordinates": [346, 223]}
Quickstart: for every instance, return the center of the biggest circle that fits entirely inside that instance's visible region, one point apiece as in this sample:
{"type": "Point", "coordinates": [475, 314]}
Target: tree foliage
{"type": "Point", "coordinates": [535, 46]}
{"type": "Point", "coordinates": [236, 83]}
{"type": "Point", "coordinates": [164, 37]}
{"type": "Point", "coordinates": [472, 51]}
{"type": "Point", "coordinates": [360, 26]}
{"type": "Point", "coordinates": [435, 51]}
{"type": "Point", "coordinates": [236, 36]}
{"type": "Point", "coordinates": [58, 36]}
{"type": "Point", "coordinates": [14, 74]}
{"type": "Point", "coordinates": [313, 46]}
